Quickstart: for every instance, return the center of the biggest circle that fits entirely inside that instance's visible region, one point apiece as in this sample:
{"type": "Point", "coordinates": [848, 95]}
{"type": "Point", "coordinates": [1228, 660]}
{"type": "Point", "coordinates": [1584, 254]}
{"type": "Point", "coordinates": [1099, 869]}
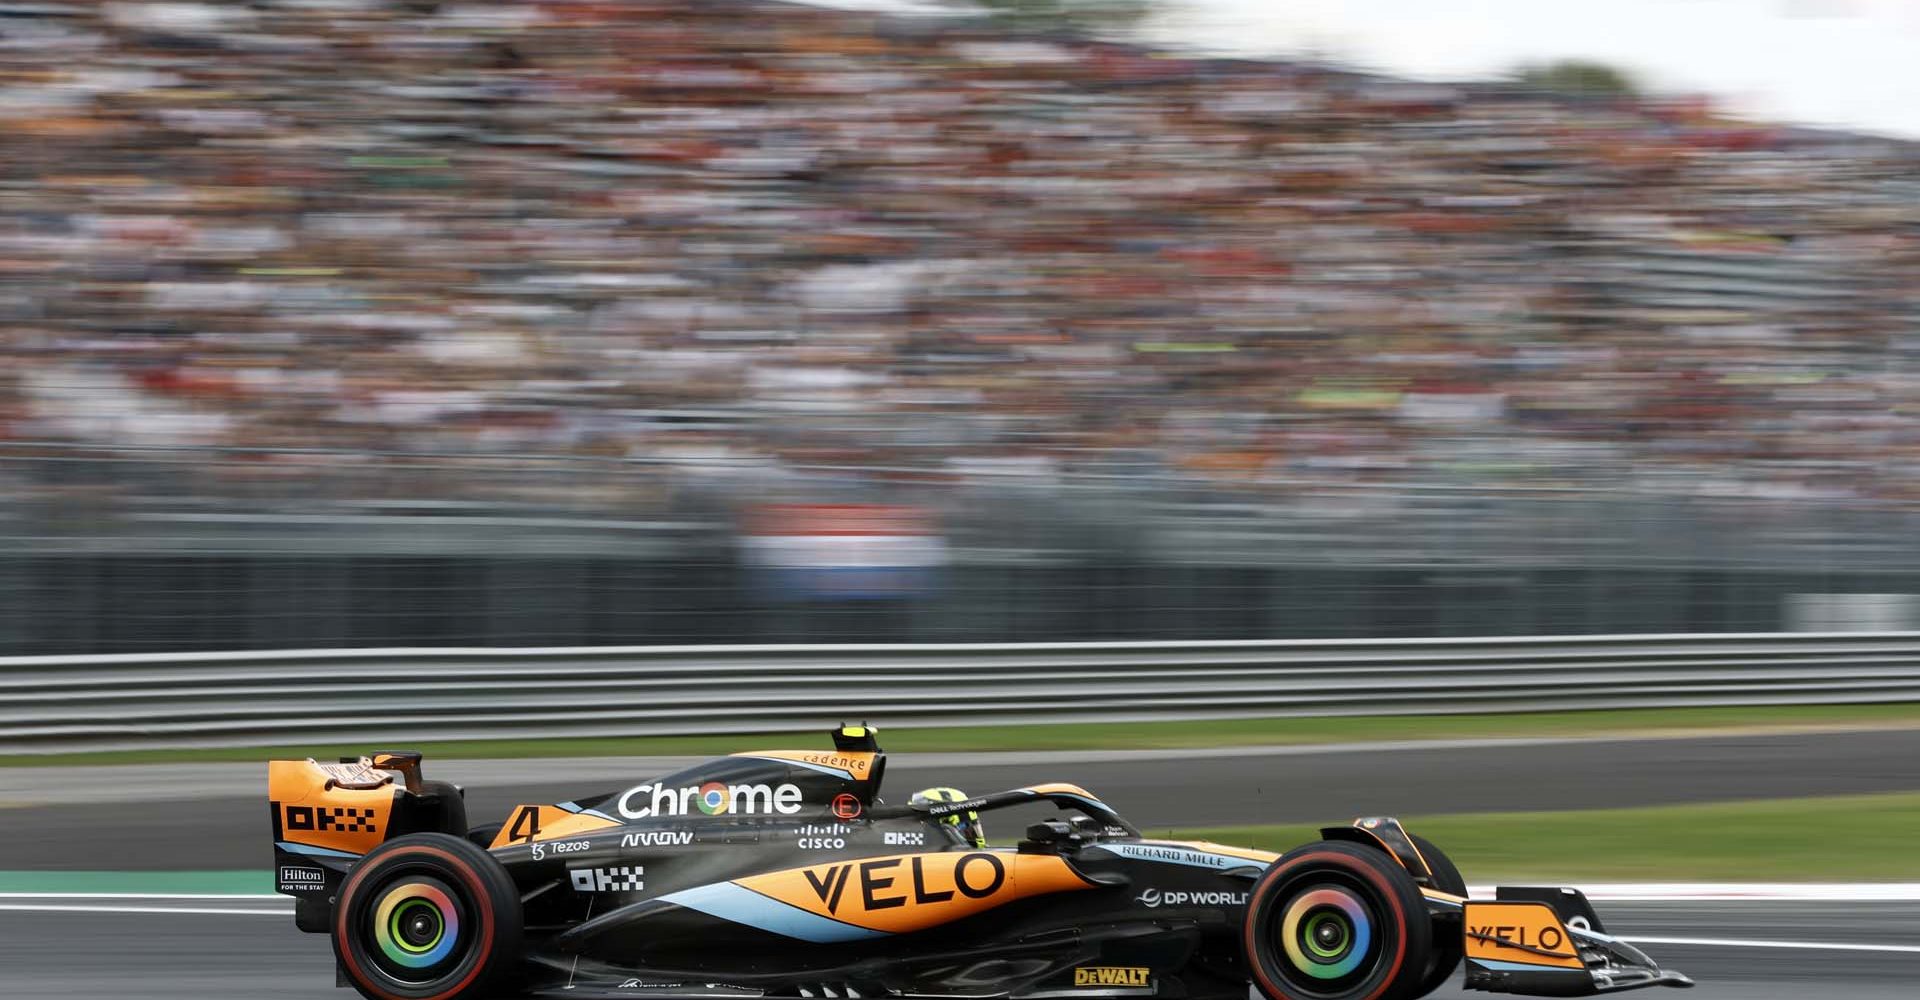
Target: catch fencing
{"type": "Point", "coordinates": [402, 696]}
{"type": "Point", "coordinates": [115, 549]}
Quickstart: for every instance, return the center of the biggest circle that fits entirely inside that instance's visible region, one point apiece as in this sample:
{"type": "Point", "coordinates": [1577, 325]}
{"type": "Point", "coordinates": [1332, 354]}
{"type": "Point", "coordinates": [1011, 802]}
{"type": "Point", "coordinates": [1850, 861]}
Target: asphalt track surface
{"type": "Point", "coordinates": [214, 816]}
{"type": "Point", "coordinates": [211, 956]}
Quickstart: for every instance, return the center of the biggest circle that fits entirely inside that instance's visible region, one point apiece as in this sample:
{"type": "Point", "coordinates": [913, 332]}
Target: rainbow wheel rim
{"type": "Point", "coordinates": [416, 924]}
{"type": "Point", "coordinates": [1327, 933]}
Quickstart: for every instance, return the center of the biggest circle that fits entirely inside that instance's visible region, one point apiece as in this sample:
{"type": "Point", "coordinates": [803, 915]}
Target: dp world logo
{"type": "Point", "coordinates": [1152, 898]}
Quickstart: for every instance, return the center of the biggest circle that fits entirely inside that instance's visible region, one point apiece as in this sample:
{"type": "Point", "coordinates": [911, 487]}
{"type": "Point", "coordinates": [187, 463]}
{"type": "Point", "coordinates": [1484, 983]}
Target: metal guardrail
{"type": "Point", "coordinates": [407, 695]}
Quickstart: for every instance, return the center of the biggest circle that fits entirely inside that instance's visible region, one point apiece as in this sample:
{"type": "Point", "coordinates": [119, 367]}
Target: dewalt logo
{"type": "Point", "coordinates": [1110, 976]}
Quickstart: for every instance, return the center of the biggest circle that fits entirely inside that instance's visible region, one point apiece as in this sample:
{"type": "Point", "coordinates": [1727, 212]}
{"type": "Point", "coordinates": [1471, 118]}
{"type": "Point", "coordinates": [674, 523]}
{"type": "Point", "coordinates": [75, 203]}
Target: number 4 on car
{"type": "Point", "coordinates": [783, 873]}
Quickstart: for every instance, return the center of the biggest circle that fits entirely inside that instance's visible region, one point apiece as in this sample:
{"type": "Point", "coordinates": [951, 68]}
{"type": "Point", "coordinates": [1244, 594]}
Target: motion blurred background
{"type": "Point", "coordinates": [331, 326]}
{"type": "Point", "coordinates": [396, 322]}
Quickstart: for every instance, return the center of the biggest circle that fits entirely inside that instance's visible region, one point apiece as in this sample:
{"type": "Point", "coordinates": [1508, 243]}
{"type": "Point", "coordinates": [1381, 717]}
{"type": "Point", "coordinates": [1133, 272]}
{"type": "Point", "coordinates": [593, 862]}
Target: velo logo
{"type": "Point", "coordinates": [910, 892]}
{"type": "Point", "coordinates": [973, 876]}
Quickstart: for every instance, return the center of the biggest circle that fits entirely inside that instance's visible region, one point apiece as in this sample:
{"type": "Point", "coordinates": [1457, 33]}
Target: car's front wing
{"type": "Point", "coordinates": [1549, 942]}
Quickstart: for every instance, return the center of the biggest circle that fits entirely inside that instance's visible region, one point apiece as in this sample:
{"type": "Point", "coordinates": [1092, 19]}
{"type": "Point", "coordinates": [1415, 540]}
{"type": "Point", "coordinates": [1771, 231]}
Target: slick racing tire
{"type": "Point", "coordinates": [1336, 921]}
{"type": "Point", "coordinates": [1449, 943]}
{"type": "Point", "coordinates": [428, 917]}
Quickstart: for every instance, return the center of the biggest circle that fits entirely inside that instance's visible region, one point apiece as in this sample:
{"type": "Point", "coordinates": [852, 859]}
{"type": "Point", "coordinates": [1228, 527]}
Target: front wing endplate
{"type": "Point", "coordinates": [1524, 947]}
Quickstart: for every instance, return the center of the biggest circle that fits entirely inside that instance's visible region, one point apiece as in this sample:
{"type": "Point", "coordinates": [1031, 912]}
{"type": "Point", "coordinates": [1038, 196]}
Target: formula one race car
{"type": "Point", "coordinates": [783, 874]}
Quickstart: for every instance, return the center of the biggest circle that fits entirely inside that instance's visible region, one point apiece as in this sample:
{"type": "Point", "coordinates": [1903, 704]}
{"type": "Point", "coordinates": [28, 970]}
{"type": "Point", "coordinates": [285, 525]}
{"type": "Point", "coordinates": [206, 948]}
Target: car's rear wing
{"type": "Point", "coordinates": [326, 816]}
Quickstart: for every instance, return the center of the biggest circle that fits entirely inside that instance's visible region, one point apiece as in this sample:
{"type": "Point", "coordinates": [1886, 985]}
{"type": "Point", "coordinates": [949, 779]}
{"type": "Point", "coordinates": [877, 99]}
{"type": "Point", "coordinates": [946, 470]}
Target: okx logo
{"type": "Point", "coordinates": [346, 819]}
{"type": "Point", "coordinates": [712, 799]}
{"type": "Point", "coordinates": [626, 878]}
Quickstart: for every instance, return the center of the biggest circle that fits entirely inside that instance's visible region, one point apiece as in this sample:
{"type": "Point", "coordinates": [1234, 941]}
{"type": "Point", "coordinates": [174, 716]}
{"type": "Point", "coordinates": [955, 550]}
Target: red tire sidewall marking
{"type": "Point", "coordinates": [1347, 863]}
{"type": "Point", "coordinates": [485, 913]}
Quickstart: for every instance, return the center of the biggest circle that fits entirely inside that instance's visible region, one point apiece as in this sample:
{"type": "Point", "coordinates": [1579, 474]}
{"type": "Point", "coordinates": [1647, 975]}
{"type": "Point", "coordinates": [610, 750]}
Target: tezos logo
{"type": "Point", "coordinates": [538, 851]}
{"type": "Point", "coordinates": [712, 798]}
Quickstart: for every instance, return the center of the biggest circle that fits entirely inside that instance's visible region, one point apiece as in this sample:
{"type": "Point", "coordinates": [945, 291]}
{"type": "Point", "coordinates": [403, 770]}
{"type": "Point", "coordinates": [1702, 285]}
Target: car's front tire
{"type": "Point", "coordinates": [1336, 921]}
{"type": "Point", "coordinates": [427, 917]}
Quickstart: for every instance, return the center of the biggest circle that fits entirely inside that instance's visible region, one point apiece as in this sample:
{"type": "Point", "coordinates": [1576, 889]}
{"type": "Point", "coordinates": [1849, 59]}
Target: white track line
{"type": "Point", "coordinates": [257, 897]}
{"type": "Point", "coordinates": [1739, 892]}
{"type": "Point", "coordinates": [1638, 892]}
{"type": "Point", "coordinates": [210, 910]}
{"type": "Point", "coordinates": [1906, 949]}
{"type": "Point", "coordinates": [1697, 942]}
{"type": "Point", "coordinates": [1902, 949]}
{"type": "Point", "coordinates": [1674, 892]}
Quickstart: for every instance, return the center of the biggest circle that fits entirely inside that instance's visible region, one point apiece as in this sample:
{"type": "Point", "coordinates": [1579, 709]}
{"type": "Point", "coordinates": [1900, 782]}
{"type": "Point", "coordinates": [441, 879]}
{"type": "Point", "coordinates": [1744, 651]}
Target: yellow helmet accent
{"type": "Point", "coordinates": [967, 822]}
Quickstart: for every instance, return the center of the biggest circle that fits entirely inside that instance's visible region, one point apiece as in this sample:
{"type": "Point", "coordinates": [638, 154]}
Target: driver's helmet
{"type": "Point", "coordinates": [968, 823]}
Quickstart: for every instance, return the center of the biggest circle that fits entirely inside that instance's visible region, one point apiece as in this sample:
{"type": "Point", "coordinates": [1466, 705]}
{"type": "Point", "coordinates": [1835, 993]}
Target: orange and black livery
{"type": "Point", "coordinates": [785, 873]}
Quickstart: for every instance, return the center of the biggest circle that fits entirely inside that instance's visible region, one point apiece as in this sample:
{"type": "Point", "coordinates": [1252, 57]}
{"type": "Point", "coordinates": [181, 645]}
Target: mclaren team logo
{"type": "Point", "coordinates": [1111, 976]}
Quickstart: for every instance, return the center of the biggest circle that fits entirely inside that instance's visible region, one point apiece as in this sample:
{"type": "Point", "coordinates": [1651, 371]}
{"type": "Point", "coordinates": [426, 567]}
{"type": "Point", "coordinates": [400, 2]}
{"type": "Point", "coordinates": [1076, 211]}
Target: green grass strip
{"type": "Point", "coordinates": [1093, 735]}
{"type": "Point", "coordinates": [110, 883]}
{"type": "Point", "coordinates": [1838, 839]}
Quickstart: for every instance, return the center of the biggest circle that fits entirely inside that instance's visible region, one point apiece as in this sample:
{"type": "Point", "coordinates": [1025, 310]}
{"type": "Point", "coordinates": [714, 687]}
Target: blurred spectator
{"type": "Point", "coordinates": [751, 233]}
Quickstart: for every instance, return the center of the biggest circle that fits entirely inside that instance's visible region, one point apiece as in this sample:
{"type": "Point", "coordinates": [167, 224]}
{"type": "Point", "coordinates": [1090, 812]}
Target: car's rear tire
{"type": "Point", "coordinates": [1448, 943]}
{"type": "Point", "coordinates": [428, 916]}
{"type": "Point", "coordinates": [1336, 921]}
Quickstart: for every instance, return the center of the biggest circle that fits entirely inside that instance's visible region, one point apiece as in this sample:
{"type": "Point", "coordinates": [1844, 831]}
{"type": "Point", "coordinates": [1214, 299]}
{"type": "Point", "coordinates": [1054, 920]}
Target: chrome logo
{"type": "Point", "coordinates": [713, 798]}
{"type": "Point", "coordinates": [1326, 933]}
{"type": "Point", "coordinates": [416, 925]}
